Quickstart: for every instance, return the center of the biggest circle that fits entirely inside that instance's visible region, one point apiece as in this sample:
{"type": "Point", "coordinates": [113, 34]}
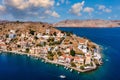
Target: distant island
{"type": "Point", "coordinates": [88, 23]}
{"type": "Point", "coordinates": [43, 41]}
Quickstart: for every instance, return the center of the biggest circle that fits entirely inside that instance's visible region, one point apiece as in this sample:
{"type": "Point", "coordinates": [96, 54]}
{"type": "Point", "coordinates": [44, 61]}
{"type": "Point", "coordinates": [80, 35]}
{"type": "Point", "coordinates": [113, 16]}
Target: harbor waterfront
{"type": "Point", "coordinates": [46, 60]}
{"type": "Point", "coordinates": [49, 61]}
{"type": "Point", "coordinates": [23, 67]}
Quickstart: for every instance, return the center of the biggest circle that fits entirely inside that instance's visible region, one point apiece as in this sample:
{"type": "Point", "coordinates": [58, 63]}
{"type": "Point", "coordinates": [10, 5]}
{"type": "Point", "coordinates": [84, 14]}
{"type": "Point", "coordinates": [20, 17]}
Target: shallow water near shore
{"type": "Point", "coordinates": [17, 67]}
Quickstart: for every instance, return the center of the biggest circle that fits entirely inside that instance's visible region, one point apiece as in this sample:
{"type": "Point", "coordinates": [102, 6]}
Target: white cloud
{"type": "Point", "coordinates": [88, 9]}
{"type": "Point", "coordinates": [55, 14]}
{"type": "Point", "coordinates": [19, 4]}
{"type": "Point", "coordinates": [20, 9]}
{"type": "Point", "coordinates": [52, 13]}
{"type": "Point", "coordinates": [104, 8]}
{"type": "Point", "coordinates": [48, 12]}
{"type": "Point", "coordinates": [101, 7]}
{"type": "Point", "coordinates": [33, 13]}
{"type": "Point", "coordinates": [62, 1]}
{"type": "Point", "coordinates": [23, 4]}
{"type": "Point", "coordinates": [42, 3]}
{"type": "Point", "coordinates": [42, 17]}
{"type": "Point", "coordinates": [107, 10]}
{"type": "Point", "coordinates": [77, 8]}
{"type": "Point", "coordinates": [2, 8]}
{"type": "Point", "coordinates": [58, 4]}
{"type": "Point", "coordinates": [67, 2]}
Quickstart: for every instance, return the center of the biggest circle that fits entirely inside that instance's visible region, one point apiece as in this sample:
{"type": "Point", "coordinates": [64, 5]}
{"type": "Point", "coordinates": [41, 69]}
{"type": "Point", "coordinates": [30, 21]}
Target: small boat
{"type": "Point", "coordinates": [28, 55]}
{"type": "Point", "coordinates": [67, 68]}
{"type": "Point", "coordinates": [42, 60]}
{"type": "Point", "coordinates": [62, 76]}
{"type": "Point", "coordinates": [71, 70]}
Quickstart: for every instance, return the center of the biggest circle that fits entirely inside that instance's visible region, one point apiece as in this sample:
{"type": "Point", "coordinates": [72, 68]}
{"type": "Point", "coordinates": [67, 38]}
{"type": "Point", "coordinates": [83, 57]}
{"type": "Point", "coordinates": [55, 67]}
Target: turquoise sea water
{"type": "Point", "coordinates": [17, 67]}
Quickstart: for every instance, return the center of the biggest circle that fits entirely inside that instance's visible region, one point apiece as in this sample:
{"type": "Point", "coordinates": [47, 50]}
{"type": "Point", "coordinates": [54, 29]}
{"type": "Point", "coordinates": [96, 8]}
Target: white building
{"type": "Point", "coordinates": [79, 59]}
{"type": "Point", "coordinates": [83, 48]}
{"type": "Point", "coordinates": [45, 37]}
{"type": "Point", "coordinates": [22, 35]}
{"type": "Point", "coordinates": [47, 31]}
{"type": "Point", "coordinates": [88, 58]}
{"type": "Point", "coordinates": [67, 50]}
{"type": "Point", "coordinates": [61, 59]}
{"type": "Point", "coordinates": [60, 34]}
{"type": "Point", "coordinates": [12, 31]}
{"type": "Point", "coordinates": [3, 45]}
{"type": "Point", "coordinates": [97, 56]}
{"type": "Point", "coordinates": [39, 35]}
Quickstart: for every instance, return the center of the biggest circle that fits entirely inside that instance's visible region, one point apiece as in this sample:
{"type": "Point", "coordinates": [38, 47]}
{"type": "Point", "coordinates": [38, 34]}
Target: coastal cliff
{"type": "Point", "coordinates": [87, 23]}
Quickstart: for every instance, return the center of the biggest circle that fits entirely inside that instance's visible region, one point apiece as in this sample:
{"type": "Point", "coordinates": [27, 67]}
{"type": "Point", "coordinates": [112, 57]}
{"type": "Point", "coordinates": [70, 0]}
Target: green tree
{"type": "Point", "coordinates": [59, 53]}
{"type": "Point", "coordinates": [50, 55]}
{"type": "Point", "coordinates": [72, 52]}
{"type": "Point", "coordinates": [55, 34]}
{"type": "Point", "coordinates": [39, 45]}
{"type": "Point", "coordinates": [68, 33]}
{"type": "Point", "coordinates": [18, 46]}
{"type": "Point", "coordinates": [27, 50]}
{"type": "Point", "coordinates": [44, 43]}
{"type": "Point", "coordinates": [82, 67]}
{"type": "Point", "coordinates": [70, 42]}
{"type": "Point", "coordinates": [36, 38]}
{"type": "Point", "coordinates": [7, 35]}
{"type": "Point", "coordinates": [32, 32]}
{"type": "Point", "coordinates": [51, 39]}
{"type": "Point", "coordinates": [73, 64]}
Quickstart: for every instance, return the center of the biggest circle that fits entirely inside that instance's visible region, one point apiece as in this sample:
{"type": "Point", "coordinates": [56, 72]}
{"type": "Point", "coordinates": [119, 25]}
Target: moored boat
{"type": "Point", "coordinates": [62, 76]}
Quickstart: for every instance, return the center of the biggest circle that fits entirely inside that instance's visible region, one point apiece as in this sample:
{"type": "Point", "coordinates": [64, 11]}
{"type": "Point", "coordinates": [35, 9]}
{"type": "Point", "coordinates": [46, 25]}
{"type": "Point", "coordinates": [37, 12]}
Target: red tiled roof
{"type": "Point", "coordinates": [2, 44]}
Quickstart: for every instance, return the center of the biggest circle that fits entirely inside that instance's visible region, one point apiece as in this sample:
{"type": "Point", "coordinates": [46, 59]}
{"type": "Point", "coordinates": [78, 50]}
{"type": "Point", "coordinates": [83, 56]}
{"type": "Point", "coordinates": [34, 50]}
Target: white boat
{"type": "Point", "coordinates": [62, 76]}
{"type": "Point", "coordinates": [42, 60]}
{"type": "Point", "coordinates": [67, 68]}
{"type": "Point", "coordinates": [71, 70]}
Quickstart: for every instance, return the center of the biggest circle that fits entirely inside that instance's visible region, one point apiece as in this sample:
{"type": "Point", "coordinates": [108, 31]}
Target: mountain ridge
{"type": "Point", "coordinates": [88, 23]}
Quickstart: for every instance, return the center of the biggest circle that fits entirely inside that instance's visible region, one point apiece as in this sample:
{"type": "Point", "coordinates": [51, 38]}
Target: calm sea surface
{"type": "Point", "coordinates": [16, 67]}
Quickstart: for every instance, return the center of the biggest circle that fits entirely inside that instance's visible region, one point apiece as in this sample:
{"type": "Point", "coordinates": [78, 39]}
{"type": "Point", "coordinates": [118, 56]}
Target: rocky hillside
{"type": "Point", "coordinates": [87, 23]}
{"type": "Point", "coordinates": [22, 27]}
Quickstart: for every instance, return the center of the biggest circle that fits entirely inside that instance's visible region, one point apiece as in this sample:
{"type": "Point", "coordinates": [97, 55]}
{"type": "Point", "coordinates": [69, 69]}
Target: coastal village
{"type": "Point", "coordinates": [50, 44]}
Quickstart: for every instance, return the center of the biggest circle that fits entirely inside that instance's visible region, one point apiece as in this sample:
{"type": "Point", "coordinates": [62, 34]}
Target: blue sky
{"type": "Point", "coordinates": [57, 10]}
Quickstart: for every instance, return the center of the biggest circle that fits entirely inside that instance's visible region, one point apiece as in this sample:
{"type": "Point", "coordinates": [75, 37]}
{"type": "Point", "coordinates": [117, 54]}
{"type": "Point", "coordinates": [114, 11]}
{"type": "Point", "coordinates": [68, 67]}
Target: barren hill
{"type": "Point", "coordinates": [87, 23]}
{"type": "Point", "coordinates": [22, 27]}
